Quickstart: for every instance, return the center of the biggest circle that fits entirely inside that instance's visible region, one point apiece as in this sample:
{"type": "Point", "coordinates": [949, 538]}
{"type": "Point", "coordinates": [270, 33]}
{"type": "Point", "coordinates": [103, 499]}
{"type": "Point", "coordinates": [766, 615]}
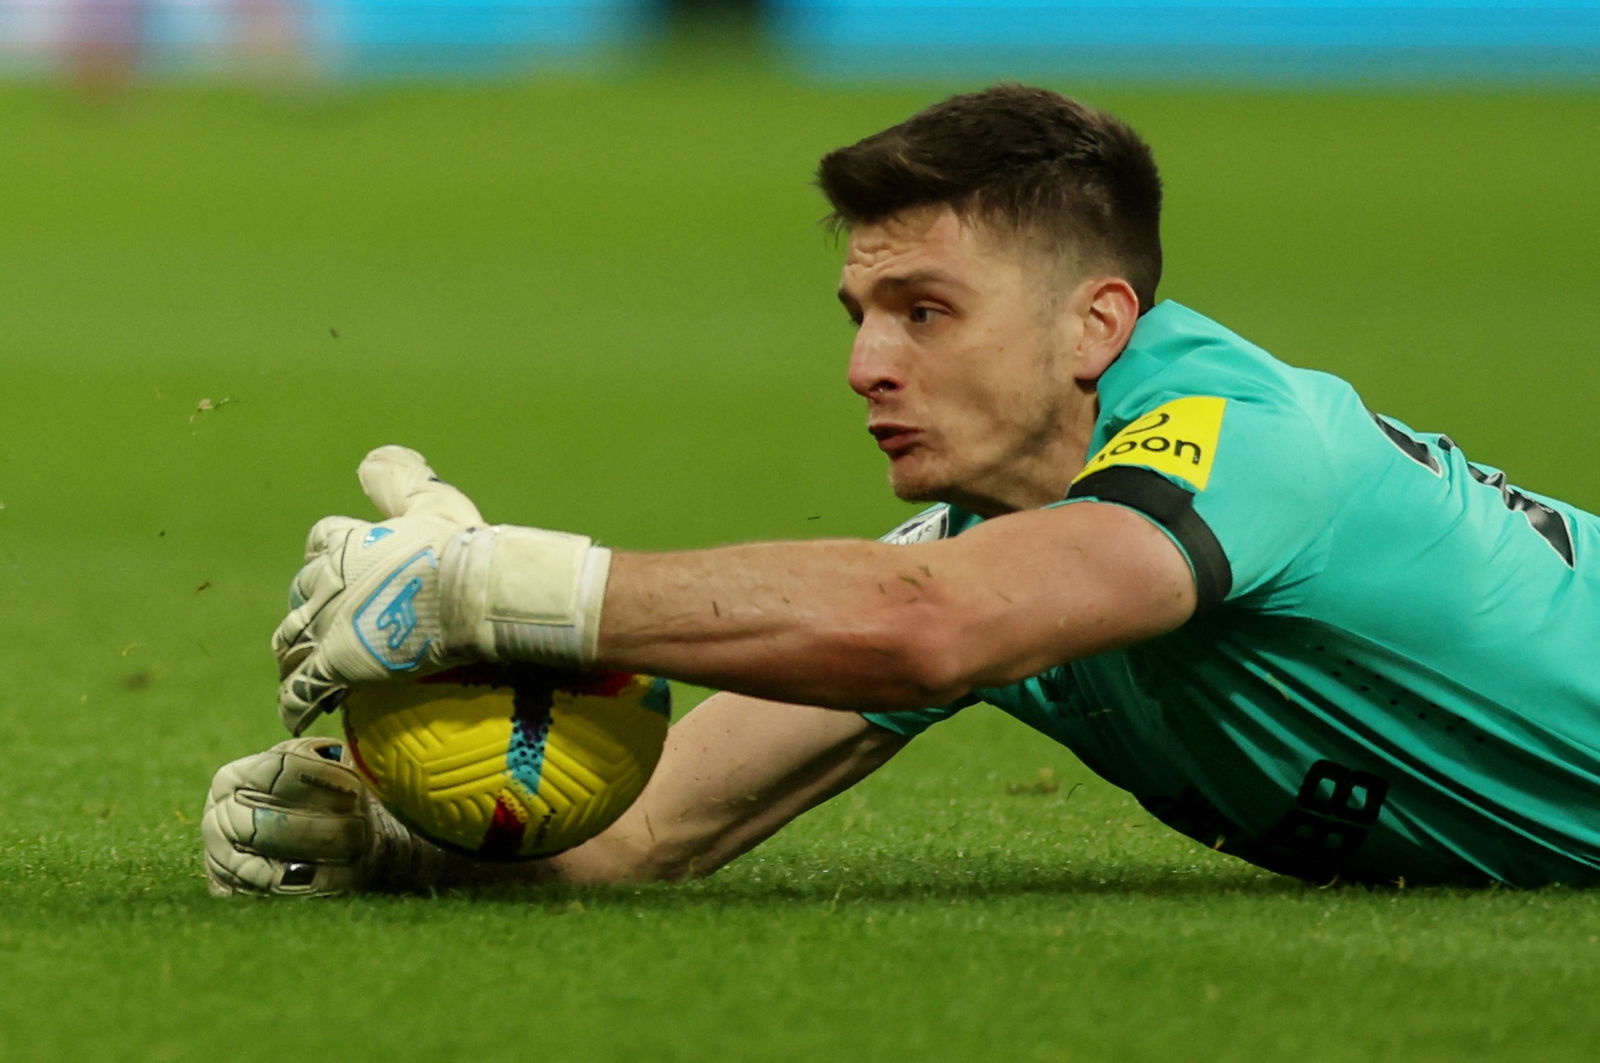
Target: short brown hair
{"type": "Point", "coordinates": [1025, 160]}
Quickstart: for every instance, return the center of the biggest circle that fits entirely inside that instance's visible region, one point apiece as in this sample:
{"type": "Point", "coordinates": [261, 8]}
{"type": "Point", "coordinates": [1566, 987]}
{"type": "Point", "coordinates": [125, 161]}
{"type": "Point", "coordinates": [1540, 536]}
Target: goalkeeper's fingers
{"type": "Point", "coordinates": [318, 582]}
{"type": "Point", "coordinates": [328, 536]}
{"type": "Point", "coordinates": [401, 484]}
{"type": "Point", "coordinates": [300, 773]}
{"type": "Point", "coordinates": [307, 691]}
{"type": "Point", "coordinates": [289, 820]}
{"type": "Point", "coordinates": [260, 876]}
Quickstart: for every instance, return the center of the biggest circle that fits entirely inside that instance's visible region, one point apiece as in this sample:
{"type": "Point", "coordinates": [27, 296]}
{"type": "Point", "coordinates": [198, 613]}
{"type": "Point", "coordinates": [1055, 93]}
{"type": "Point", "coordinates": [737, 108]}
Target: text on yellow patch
{"type": "Point", "coordinates": [1178, 438]}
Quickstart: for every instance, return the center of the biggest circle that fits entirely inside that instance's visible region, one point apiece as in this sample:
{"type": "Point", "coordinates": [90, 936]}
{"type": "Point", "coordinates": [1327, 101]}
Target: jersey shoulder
{"type": "Point", "coordinates": [1183, 370]}
{"type": "Point", "coordinates": [1241, 458]}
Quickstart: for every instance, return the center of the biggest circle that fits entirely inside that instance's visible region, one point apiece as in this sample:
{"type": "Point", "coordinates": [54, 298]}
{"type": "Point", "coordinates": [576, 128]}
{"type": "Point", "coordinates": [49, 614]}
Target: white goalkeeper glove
{"type": "Point", "coordinates": [426, 587]}
{"type": "Point", "coordinates": [296, 821]}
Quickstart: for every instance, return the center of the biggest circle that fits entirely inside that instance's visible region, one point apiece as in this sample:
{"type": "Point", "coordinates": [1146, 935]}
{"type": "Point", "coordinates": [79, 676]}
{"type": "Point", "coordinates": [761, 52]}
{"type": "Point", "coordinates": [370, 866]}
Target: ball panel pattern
{"type": "Point", "coordinates": [509, 764]}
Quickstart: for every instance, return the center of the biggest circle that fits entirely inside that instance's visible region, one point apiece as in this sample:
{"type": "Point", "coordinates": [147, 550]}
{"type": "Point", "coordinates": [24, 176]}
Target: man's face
{"type": "Point", "coordinates": [966, 362]}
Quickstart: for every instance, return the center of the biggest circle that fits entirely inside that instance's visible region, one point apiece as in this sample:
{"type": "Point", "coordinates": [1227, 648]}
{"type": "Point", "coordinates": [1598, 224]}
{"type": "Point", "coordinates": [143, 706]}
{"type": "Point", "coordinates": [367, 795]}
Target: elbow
{"type": "Point", "coordinates": [633, 851]}
{"type": "Point", "coordinates": [661, 866]}
{"type": "Point", "coordinates": [620, 855]}
{"type": "Point", "coordinates": [915, 662]}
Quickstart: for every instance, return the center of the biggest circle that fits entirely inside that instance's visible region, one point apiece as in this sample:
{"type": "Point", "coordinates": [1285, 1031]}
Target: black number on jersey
{"type": "Point", "coordinates": [1550, 525]}
{"type": "Point", "coordinates": [1333, 812]}
{"type": "Point", "coordinates": [1342, 793]}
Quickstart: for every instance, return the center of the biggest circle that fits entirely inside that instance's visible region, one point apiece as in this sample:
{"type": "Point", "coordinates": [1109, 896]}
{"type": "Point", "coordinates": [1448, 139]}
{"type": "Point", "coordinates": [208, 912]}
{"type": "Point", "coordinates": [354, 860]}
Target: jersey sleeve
{"type": "Point", "coordinates": [912, 722]}
{"type": "Point", "coordinates": [1244, 485]}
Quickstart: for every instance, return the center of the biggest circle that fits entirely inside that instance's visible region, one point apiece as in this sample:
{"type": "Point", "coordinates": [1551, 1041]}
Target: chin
{"type": "Point", "coordinates": [911, 489]}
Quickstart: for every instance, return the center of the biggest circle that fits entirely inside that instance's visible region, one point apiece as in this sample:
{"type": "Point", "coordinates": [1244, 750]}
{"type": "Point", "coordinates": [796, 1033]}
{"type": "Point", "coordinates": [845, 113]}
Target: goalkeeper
{"type": "Point", "coordinates": [1296, 631]}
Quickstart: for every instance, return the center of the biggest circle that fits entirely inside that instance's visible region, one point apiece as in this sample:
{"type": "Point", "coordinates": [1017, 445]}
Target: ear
{"type": "Point", "coordinates": [1108, 309]}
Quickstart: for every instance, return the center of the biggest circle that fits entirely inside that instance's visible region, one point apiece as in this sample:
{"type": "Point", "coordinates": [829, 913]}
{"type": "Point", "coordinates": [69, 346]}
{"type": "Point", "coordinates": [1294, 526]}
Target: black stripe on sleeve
{"type": "Point", "coordinates": [1173, 508]}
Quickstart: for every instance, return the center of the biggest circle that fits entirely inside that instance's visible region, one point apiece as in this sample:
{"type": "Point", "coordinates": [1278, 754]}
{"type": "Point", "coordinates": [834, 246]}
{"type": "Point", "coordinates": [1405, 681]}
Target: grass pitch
{"type": "Point", "coordinates": [605, 305]}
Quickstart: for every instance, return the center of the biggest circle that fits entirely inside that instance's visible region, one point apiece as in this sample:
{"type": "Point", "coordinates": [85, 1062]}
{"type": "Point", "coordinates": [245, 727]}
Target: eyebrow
{"type": "Point", "coordinates": [904, 280]}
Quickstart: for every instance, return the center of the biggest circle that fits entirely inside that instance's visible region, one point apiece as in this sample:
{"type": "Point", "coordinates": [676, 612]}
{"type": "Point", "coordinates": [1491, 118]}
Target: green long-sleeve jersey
{"type": "Point", "coordinates": [1391, 675]}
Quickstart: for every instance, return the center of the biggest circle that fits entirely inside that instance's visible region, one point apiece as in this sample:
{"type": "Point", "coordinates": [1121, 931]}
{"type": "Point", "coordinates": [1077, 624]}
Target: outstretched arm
{"type": "Point", "coordinates": [856, 624]}
{"type": "Point", "coordinates": [847, 624]}
{"type": "Point", "coordinates": [294, 821]}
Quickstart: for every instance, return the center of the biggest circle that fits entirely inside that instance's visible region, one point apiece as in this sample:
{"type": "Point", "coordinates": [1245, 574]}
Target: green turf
{"type": "Point", "coordinates": [604, 304]}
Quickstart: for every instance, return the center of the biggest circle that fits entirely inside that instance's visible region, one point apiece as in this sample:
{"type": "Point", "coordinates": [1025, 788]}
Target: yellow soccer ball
{"type": "Point", "coordinates": [508, 763]}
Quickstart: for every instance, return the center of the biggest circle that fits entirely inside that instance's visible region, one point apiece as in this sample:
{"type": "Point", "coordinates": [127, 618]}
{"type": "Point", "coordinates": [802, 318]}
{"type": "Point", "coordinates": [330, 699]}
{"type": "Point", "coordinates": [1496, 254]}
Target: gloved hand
{"type": "Point", "coordinates": [297, 821]}
{"type": "Point", "coordinates": [427, 587]}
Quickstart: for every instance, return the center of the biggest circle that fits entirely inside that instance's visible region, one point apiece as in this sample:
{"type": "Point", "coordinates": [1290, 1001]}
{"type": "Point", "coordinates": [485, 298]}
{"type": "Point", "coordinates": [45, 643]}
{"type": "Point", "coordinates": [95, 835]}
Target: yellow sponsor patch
{"type": "Point", "coordinates": [1178, 438]}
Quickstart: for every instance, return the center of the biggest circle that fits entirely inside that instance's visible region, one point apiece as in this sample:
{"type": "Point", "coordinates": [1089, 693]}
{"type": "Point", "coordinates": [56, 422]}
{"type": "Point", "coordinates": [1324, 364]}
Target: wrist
{"type": "Point", "coordinates": [398, 860]}
{"type": "Point", "coordinates": [510, 593]}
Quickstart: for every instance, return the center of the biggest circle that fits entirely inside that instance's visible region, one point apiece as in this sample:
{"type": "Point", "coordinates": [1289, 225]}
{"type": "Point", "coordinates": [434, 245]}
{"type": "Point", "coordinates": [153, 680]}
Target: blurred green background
{"type": "Point", "coordinates": [602, 302]}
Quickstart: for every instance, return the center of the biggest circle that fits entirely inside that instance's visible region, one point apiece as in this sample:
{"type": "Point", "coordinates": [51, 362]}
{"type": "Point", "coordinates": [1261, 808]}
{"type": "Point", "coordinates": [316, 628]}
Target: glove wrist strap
{"type": "Point", "coordinates": [399, 861]}
{"type": "Point", "coordinates": [523, 594]}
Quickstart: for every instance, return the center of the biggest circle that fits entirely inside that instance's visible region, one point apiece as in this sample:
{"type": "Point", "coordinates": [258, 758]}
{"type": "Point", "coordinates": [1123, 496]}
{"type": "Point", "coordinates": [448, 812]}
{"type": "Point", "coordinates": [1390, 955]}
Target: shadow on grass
{"type": "Point", "coordinates": [143, 889]}
{"type": "Point", "coordinates": [903, 882]}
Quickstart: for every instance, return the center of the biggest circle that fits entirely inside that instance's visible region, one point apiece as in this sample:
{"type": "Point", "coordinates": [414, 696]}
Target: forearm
{"type": "Point", "coordinates": [859, 624]}
{"type": "Point", "coordinates": [840, 623]}
{"type": "Point", "coordinates": [734, 771]}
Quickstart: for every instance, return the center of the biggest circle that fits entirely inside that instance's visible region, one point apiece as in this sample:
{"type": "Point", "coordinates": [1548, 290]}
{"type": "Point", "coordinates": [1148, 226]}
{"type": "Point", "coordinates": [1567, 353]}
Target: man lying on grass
{"type": "Point", "coordinates": [1297, 631]}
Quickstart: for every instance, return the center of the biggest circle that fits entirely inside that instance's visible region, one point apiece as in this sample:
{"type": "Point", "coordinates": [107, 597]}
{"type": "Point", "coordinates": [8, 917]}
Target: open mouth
{"type": "Point", "coordinates": [894, 439]}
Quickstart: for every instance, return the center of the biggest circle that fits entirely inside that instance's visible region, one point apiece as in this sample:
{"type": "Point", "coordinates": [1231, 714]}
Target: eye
{"type": "Point", "coordinates": [921, 315]}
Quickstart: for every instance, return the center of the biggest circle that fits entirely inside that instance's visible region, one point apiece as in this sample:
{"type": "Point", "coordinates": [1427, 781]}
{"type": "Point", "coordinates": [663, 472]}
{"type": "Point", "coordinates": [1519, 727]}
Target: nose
{"type": "Point", "coordinates": [872, 372]}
